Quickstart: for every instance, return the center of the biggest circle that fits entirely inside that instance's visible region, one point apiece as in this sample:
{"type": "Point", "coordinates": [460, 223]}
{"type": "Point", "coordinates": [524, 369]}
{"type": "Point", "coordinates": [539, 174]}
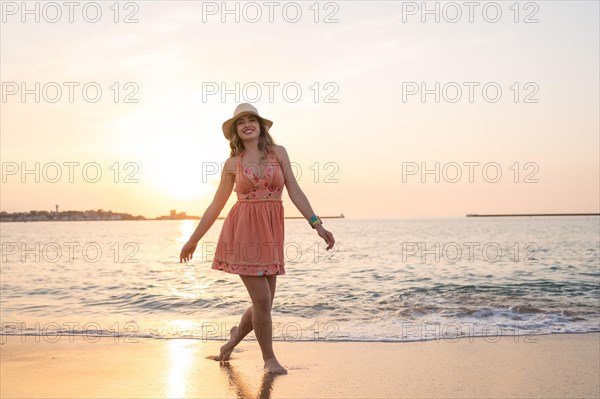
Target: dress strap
{"type": "Point", "coordinates": [238, 167]}
{"type": "Point", "coordinates": [270, 154]}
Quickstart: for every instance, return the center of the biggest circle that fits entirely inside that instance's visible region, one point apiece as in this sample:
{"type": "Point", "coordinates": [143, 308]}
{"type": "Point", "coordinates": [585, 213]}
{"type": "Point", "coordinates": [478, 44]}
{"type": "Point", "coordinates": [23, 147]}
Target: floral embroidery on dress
{"type": "Point", "coordinates": [269, 186]}
{"type": "Point", "coordinates": [267, 175]}
{"type": "Point", "coordinates": [248, 270]}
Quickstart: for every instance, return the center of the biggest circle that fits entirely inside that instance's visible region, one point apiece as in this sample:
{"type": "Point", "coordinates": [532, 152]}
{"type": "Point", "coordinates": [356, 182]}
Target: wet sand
{"type": "Point", "coordinates": [557, 366]}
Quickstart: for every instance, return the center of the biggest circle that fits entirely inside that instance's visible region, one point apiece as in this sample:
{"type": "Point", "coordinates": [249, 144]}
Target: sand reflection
{"type": "Point", "coordinates": [242, 389]}
{"type": "Point", "coordinates": [181, 354]}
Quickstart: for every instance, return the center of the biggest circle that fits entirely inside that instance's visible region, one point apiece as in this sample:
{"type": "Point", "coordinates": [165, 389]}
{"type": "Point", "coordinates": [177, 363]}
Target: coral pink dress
{"type": "Point", "coordinates": [251, 240]}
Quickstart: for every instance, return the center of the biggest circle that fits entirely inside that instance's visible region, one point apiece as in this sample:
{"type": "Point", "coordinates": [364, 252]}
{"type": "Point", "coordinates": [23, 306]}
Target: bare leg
{"type": "Point", "coordinates": [238, 333]}
{"type": "Point", "coordinates": [262, 299]}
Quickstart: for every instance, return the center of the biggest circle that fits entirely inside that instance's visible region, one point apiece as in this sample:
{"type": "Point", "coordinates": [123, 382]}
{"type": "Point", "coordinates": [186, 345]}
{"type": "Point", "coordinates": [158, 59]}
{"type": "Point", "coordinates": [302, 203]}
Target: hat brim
{"type": "Point", "coordinates": [229, 122]}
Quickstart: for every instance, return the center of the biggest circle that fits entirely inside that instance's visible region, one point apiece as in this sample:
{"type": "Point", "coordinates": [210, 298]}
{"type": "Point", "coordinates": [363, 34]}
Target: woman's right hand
{"type": "Point", "coordinates": [187, 251]}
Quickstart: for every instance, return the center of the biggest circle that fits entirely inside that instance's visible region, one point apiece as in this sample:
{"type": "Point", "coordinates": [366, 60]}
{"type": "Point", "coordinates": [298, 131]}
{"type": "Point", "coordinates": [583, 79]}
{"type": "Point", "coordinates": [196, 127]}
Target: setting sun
{"type": "Point", "coordinates": [168, 143]}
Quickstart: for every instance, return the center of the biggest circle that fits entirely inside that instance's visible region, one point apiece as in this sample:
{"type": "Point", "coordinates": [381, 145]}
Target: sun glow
{"type": "Point", "coordinates": [170, 146]}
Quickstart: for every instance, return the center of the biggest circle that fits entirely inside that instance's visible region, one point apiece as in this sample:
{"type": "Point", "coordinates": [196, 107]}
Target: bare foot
{"type": "Point", "coordinates": [272, 366]}
{"type": "Point", "coordinates": [227, 349]}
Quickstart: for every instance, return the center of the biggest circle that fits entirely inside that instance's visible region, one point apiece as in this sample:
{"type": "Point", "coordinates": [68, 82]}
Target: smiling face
{"type": "Point", "coordinates": [247, 127]}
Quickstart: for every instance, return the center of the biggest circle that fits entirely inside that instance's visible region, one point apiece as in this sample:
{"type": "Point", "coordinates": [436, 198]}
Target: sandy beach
{"type": "Point", "coordinates": [557, 366]}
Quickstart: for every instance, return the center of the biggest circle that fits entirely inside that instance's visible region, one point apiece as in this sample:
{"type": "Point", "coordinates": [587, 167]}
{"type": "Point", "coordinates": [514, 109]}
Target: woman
{"type": "Point", "coordinates": [251, 240]}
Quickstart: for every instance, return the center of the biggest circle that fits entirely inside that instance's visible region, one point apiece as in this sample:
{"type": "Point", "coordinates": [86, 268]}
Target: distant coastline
{"type": "Point", "coordinates": [65, 216]}
{"type": "Point", "coordinates": [102, 215]}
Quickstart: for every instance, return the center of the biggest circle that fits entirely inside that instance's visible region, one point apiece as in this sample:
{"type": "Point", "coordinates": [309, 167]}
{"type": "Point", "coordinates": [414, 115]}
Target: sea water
{"type": "Point", "coordinates": [385, 280]}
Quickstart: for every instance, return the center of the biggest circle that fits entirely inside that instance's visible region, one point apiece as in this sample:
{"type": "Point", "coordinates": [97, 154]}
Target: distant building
{"type": "Point", "coordinates": [173, 215]}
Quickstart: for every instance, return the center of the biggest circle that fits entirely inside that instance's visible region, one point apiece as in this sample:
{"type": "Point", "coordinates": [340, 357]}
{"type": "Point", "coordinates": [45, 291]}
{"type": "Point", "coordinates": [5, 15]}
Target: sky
{"type": "Point", "coordinates": [386, 109]}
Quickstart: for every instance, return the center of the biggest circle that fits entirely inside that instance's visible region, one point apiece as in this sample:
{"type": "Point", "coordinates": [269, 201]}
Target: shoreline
{"type": "Point", "coordinates": [471, 338]}
{"type": "Point", "coordinates": [556, 365]}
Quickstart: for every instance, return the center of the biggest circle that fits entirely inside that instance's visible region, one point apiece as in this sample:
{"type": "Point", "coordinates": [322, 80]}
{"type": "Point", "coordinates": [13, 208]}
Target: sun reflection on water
{"type": "Point", "coordinates": [186, 228]}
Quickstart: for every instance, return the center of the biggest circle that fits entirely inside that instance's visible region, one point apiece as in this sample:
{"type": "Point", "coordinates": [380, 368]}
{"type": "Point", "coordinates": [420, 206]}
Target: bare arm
{"type": "Point", "coordinates": [214, 209]}
{"type": "Point", "coordinates": [291, 184]}
{"type": "Point", "coordinates": [297, 195]}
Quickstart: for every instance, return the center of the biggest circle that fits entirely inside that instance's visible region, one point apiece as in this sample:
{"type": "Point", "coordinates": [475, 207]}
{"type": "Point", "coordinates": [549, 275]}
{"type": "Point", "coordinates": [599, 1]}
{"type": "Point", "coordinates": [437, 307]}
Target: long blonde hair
{"type": "Point", "coordinates": [236, 145]}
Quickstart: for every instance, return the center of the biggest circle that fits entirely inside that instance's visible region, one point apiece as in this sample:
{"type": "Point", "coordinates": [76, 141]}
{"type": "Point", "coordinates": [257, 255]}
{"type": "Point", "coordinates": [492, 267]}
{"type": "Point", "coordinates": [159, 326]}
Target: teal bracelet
{"type": "Point", "coordinates": [314, 220]}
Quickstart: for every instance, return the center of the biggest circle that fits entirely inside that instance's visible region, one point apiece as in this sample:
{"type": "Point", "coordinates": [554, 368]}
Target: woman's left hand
{"type": "Point", "coordinates": [326, 235]}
